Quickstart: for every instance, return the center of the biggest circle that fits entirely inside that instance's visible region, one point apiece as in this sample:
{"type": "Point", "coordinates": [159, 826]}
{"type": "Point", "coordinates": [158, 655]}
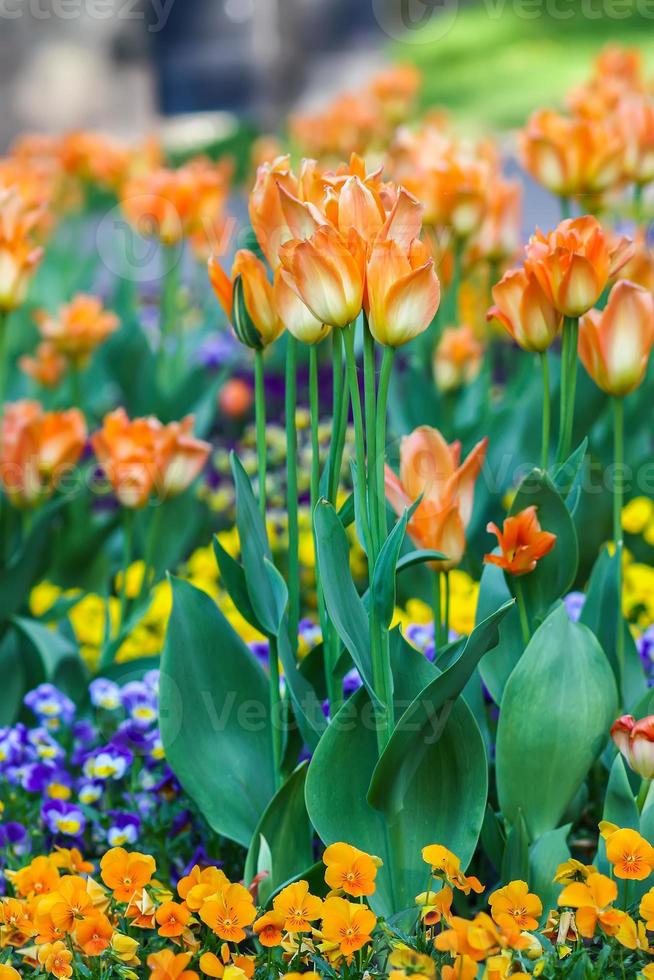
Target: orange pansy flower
{"type": "Point", "coordinates": [350, 869]}
{"type": "Point", "coordinates": [126, 872]}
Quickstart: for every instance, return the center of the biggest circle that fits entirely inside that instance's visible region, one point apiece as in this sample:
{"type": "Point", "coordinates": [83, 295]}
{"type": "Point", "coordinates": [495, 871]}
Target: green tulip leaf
{"type": "Point", "coordinates": [285, 828]}
{"type": "Point", "coordinates": [548, 852]}
{"type": "Point", "coordinates": [557, 708]}
{"type": "Point", "coordinates": [214, 716]}
{"type": "Point", "coordinates": [57, 659]}
{"type": "Point", "coordinates": [497, 665]}
{"type": "Point", "coordinates": [383, 581]}
{"type": "Point", "coordinates": [445, 801]}
{"type": "Point", "coordinates": [233, 578]}
{"type": "Point", "coordinates": [344, 604]}
{"type": "Point", "coordinates": [426, 717]}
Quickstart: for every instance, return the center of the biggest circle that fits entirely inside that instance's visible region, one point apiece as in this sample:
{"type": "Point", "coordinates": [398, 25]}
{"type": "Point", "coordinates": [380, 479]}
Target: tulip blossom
{"type": "Point", "coordinates": [296, 317]}
{"type": "Point", "coordinates": [265, 207]}
{"type": "Point", "coordinates": [78, 328]}
{"type": "Point", "coordinates": [19, 256]}
{"type": "Point", "coordinates": [458, 358]}
{"type": "Point", "coordinates": [37, 450]}
{"type": "Point", "coordinates": [498, 238]}
{"type": "Point", "coordinates": [635, 115]}
{"type": "Point", "coordinates": [615, 343]}
{"type": "Point", "coordinates": [247, 299]}
{"type": "Point", "coordinates": [327, 273]}
{"type": "Point", "coordinates": [431, 468]}
{"type": "Point", "coordinates": [522, 543]}
{"type": "Point", "coordinates": [46, 367]}
{"type": "Point", "coordinates": [141, 456]}
{"type": "Point", "coordinates": [574, 262]}
{"type": "Point", "coordinates": [635, 739]}
{"type": "Point", "coordinates": [523, 308]}
{"type": "Point", "coordinates": [403, 292]}
{"type": "Point", "coordinates": [572, 156]}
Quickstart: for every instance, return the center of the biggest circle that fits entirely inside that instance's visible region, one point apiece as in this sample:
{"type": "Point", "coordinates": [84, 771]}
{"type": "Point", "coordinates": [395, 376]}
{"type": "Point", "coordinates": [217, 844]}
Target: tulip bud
{"type": "Point", "coordinates": [615, 343]}
{"type": "Point", "coordinates": [635, 740]}
{"type": "Point", "coordinates": [247, 299]}
{"type": "Point", "coordinates": [403, 292]}
{"type": "Point", "coordinates": [525, 311]}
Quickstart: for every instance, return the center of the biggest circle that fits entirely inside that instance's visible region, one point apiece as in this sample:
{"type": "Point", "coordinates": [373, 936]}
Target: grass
{"type": "Point", "coordinates": [495, 65]}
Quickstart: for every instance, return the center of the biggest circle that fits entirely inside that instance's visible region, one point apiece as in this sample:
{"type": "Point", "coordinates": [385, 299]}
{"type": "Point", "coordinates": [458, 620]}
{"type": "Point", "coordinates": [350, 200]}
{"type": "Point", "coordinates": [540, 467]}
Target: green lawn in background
{"type": "Point", "coordinates": [494, 65]}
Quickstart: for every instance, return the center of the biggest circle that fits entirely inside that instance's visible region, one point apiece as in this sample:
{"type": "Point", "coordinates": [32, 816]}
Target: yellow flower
{"type": "Point", "coordinates": [125, 948]}
{"type": "Point", "coordinates": [637, 514]}
{"type": "Point", "coordinates": [350, 870]}
{"type": "Point", "coordinates": [406, 962]}
{"type": "Point", "coordinates": [447, 867]}
{"type": "Point", "coordinates": [573, 870]}
{"type": "Point", "coordinates": [514, 905]}
{"type": "Point", "coordinates": [298, 906]}
{"type": "Point", "coordinates": [135, 574]}
{"type": "Point", "coordinates": [42, 597]}
{"type": "Point", "coordinates": [630, 854]}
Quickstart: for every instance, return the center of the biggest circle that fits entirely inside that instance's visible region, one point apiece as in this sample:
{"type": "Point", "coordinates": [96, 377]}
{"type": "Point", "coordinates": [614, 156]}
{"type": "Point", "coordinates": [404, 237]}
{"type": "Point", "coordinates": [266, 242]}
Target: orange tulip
{"type": "Point", "coordinates": [47, 367]}
{"type": "Point", "coordinates": [19, 256]}
{"type": "Point", "coordinates": [247, 299]}
{"type": "Point", "coordinates": [403, 292]}
{"type": "Point", "coordinates": [458, 358]}
{"type": "Point", "coordinates": [130, 453]}
{"type": "Point", "coordinates": [142, 456]}
{"type": "Point", "coordinates": [522, 543]}
{"type": "Point", "coordinates": [430, 467]}
{"type": "Point", "coordinates": [635, 739]}
{"type": "Point", "coordinates": [37, 450]}
{"type": "Point", "coordinates": [498, 238]}
{"type": "Point", "coordinates": [265, 207]}
{"type": "Point", "coordinates": [574, 262]}
{"type": "Point", "coordinates": [183, 458]}
{"type": "Point", "coordinates": [172, 204]}
{"type": "Point", "coordinates": [573, 156]}
{"type": "Point", "coordinates": [294, 314]}
{"type": "Point", "coordinates": [327, 273]}
{"type": "Point", "coordinates": [615, 343]}
{"type": "Point", "coordinates": [78, 328]}
{"type": "Point", "coordinates": [524, 309]}
{"type": "Point", "coordinates": [635, 115]}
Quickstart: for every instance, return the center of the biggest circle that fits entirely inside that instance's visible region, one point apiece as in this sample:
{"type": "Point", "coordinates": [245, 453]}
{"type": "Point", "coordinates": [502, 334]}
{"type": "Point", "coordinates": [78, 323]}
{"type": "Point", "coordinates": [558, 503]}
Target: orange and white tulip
{"type": "Point", "coordinates": [524, 310]}
{"type": "Point", "coordinates": [19, 256]}
{"type": "Point", "coordinates": [615, 343]}
{"type": "Point", "coordinates": [574, 262]}
{"type": "Point", "coordinates": [37, 450]}
{"type": "Point", "coordinates": [458, 358]}
{"type": "Point", "coordinates": [265, 207]}
{"type": "Point", "coordinates": [403, 292]}
{"type": "Point", "coordinates": [183, 458]}
{"type": "Point", "coordinates": [635, 740]}
{"type": "Point", "coordinates": [78, 328]}
{"type": "Point", "coordinates": [430, 467]}
{"type": "Point", "coordinates": [295, 314]}
{"type": "Point", "coordinates": [327, 273]}
{"type": "Point", "coordinates": [247, 299]}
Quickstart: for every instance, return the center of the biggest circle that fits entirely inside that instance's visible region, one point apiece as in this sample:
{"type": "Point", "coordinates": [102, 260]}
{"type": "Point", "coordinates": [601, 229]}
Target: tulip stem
{"type": "Point", "coordinates": [275, 710]}
{"type": "Point", "coordinates": [260, 422]}
{"type": "Point", "coordinates": [643, 793]}
{"type": "Point", "coordinates": [128, 540]}
{"type": "Point", "coordinates": [445, 638]}
{"type": "Point", "coordinates": [436, 592]}
{"type": "Point", "coordinates": [565, 206]}
{"type": "Point", "coordinates": [291, 492]}
{"type": "Point", "coordinates": [388, 358]}
{"type": "Point", "coordinates": [547, 410]}
{"type": "Point", "coordinates": [568, 386]}
{"type": "Point", "coordinates": [4, 354]}
{"type": "Point", "coordinates": [618, 503]}
{"type": "Point", "coordinates": [522, 610]}
{"type": "Point", "coordinates": [370, 403]}
{"type": "Point", "coordinates": [339, 415]}
{"type": "Point", "coordinates": [359, 441]}
{"type": "Point", "coordinates": [334, 696]}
